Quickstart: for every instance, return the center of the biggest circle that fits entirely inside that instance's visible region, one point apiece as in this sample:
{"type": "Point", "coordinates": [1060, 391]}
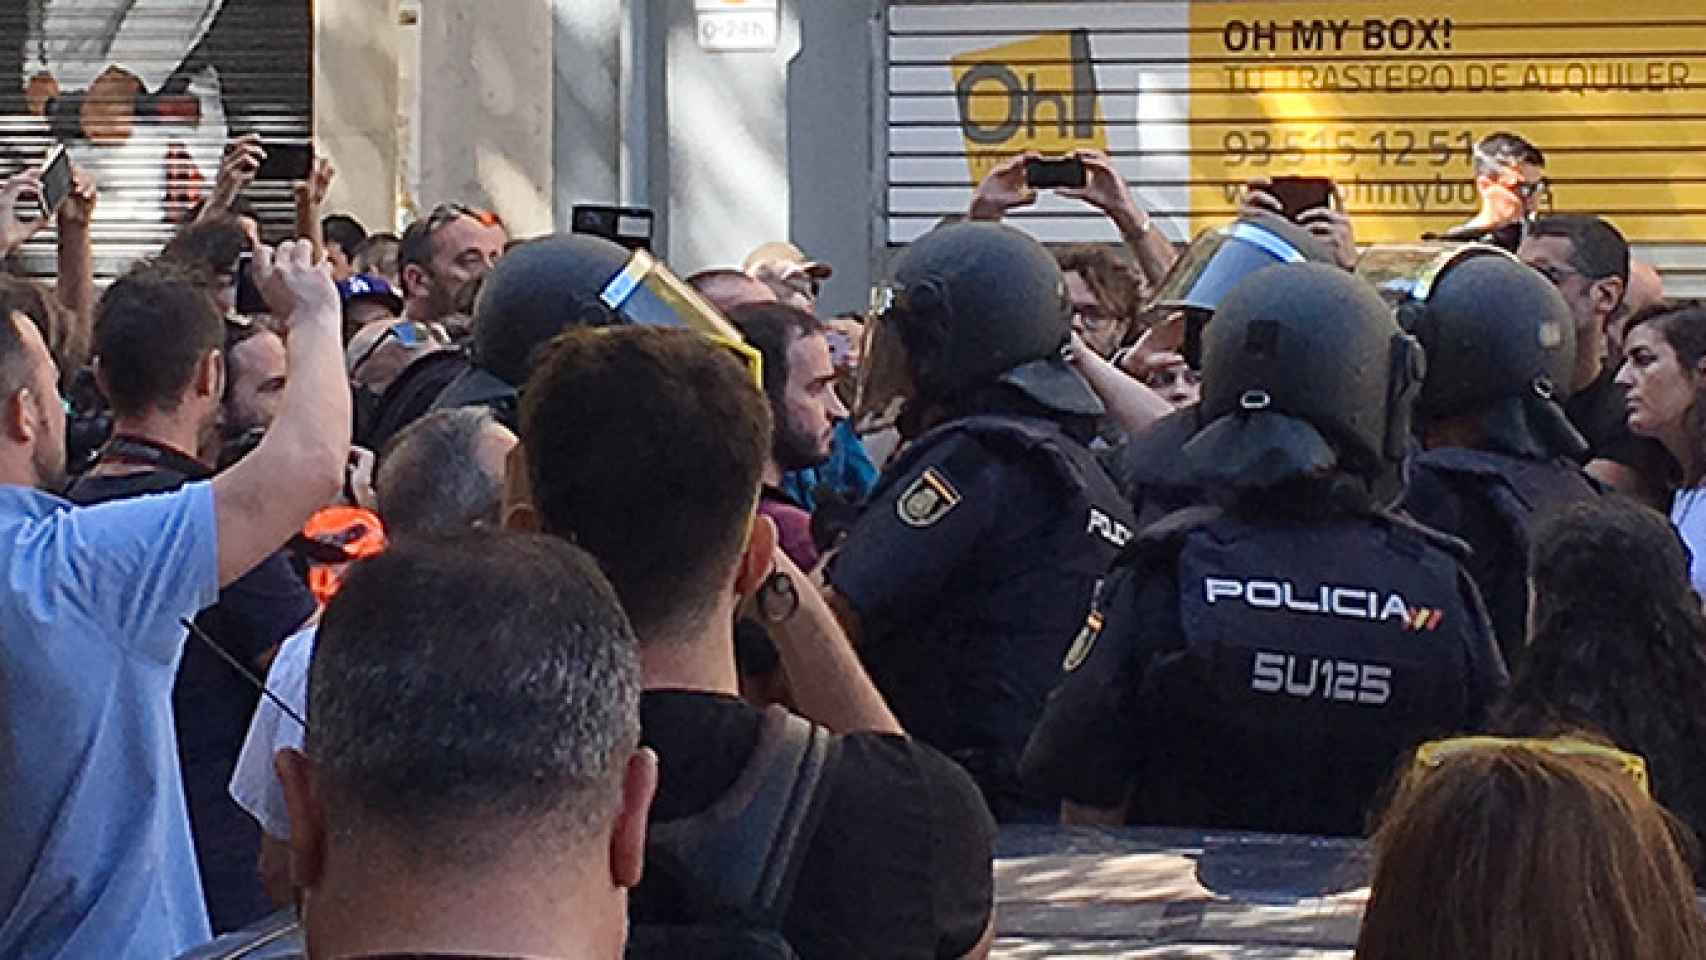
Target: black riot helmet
{"type": "Point", "coordinates": [972, 304]}
{"type": "Point", "coordinates": [1501, 346]}
{"type": "Point", "coordinates": [1305, 374]}
{"type": "Point", "coordinates": [545, 286]}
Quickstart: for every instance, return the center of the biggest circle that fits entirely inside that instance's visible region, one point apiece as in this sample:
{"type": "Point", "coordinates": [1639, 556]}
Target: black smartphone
{"type": "Point", "coordinates": [55, 180]}
{"type": "Point", "coordinates": [286, 161]}
{"type": "Point", "coordinates": [1191, 349]}
{"type": "Point", "coordinates": [1051, 172]}
{"type": "Point", "coordinates": [1299, 195]}
{"type": "Point", "coordinates": [250, 302]}
{"type": "Point", "coordinates": [629, 226]}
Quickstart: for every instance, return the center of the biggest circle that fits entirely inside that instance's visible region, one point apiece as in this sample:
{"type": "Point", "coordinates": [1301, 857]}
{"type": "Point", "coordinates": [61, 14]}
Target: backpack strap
{"type": "Point", "coordinates": [743, 853]}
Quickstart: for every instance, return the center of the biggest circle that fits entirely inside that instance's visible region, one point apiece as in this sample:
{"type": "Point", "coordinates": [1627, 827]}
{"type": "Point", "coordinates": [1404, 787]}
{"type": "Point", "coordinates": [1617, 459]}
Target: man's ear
{"type": "Point", "coordinates": [628, 835]}
{"type": "Point", "coordinates": [519, 513]}
{"type": "Point", "coordinates": [415, 280]}
{"type": "Point", "coordinates": [20, 424]}
{"type": "Point", "coordinates": [1607, 293]}
{"type": "Point", "coordinates": [307, 817]}
{"type": "Point", "coordinates": [210, 375]}
{"type": "Point", "coordinates": [760, 555]}
{"type": "Point", "coordinates": [521, 517]}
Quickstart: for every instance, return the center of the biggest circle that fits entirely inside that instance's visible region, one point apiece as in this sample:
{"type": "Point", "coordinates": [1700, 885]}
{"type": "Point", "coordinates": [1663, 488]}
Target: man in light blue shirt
{"type": "Point", "coordinates": [95, 851]}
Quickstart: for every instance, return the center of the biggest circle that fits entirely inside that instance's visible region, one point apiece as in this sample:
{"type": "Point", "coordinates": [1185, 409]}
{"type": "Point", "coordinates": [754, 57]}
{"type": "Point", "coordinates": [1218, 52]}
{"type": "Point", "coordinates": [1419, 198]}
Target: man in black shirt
{"type": "Point", "coordinates": [645, 446]}
{"type": "Point", "coordinates": [1587, 259]}
{"type": "Point", "coordinates": [158, 340]}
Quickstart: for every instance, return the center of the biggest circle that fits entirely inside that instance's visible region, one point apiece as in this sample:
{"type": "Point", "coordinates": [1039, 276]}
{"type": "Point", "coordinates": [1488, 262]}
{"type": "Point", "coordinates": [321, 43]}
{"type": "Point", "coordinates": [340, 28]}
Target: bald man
{"type": "Point", "coordinates": [1646, 289]}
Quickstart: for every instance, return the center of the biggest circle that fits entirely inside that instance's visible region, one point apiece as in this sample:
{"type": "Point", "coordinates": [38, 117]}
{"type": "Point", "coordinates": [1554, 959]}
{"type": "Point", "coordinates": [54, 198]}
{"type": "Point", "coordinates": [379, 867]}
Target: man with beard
{"type": "Point", "coordinates": [159, 346]}
{"type": "Point", "coordinates": [799, 381]}
{"type": "Point", "coordinates": [443, 252]}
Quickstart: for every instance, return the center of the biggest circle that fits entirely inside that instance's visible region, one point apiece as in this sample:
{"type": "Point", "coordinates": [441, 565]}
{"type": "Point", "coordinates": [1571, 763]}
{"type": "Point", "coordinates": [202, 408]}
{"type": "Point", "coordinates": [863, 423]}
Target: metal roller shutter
{"type": "Point", "coordinates": [1192, 98]}
{"type": "Point", "coordinates": [177, 78]}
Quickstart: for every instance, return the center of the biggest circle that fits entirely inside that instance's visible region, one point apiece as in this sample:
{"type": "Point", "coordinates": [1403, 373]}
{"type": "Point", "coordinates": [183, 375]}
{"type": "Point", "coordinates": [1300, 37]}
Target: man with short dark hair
{"type": "Point", "coordinates": [1510, 176]}
{"type": "Point", "coordinates": [257, 369]}
{"type": "Point", "coordinates": [472, 782]}
{"type": "Point", "coordinates": [213, 247]}
{"type": "Point", "coordinates": [98, 859]}
{"type": "Point", "coordinates": [344, 235]}
{"type": "Point", "coordinates": [646, 446]}
{"type": "Point", "coordinates": [441, 253]}
{"type": "Point", "coordinates": [158, 348]}
{"type": "Point", "coordinates": [799, 381]}
{"type": "Point", "coordinates": [1587, 259]}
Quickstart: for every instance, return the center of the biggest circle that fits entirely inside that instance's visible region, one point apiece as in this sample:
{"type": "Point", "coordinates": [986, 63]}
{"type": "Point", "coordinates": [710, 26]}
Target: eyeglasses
{"type": "Point", "coordinates": [1433, 755]}
{"type": "Point", "coordinates": [1092, 318]}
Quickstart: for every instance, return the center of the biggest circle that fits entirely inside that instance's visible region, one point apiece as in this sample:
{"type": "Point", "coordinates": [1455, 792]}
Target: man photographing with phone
{"type": "Point", "coordinates": [1087, 175]}
{"type": "Point", "coordinates": [1312, 203]}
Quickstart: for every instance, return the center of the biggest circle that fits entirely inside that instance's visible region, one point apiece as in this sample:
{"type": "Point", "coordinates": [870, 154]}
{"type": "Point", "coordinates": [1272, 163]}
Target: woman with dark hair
{"type": "Point", "coordinates": [1617, 644]}
{"type": "Point", "coordinates": [1664, 372]}
{"type": "Point", "coordinates": [1528, 850]}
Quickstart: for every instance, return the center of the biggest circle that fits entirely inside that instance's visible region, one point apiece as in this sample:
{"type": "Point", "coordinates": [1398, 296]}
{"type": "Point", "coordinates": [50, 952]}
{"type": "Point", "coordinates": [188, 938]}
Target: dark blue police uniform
{"type": "Point", "coordinates": [1265, 673]}
{"type": "Point", "coordinates": [1492, 501]}
{"type": "Point", "coordinates": [971, 569]}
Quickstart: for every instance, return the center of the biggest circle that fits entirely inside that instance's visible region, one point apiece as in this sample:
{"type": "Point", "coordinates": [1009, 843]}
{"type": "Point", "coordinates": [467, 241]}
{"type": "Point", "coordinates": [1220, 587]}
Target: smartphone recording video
{"type": "Point", "coordinates": [1052, 173]}
{"type": "Point", "coordinates": [631, 227]}
{"type": "Point", "coordinates": [1299, 195]}
{"type": "Point", "coordinates": [287, 161]}
{"type": "Point", "coordinates": [55, 180]}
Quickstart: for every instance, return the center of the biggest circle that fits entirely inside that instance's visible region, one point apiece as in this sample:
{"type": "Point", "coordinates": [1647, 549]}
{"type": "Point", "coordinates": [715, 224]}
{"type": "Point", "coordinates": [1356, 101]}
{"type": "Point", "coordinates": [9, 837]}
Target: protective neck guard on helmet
{"type": "Point", "coordinates": [1532, 427]}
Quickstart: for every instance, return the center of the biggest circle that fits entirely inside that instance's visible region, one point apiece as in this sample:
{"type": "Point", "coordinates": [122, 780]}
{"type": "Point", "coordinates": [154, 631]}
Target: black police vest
{"type": "Point", "coordinates": [1493, 502]}
{"type": "Point", "coordinates": [1314, 655]}
{"type": "Point", "coordinates": [970, 676]}
{"type": "Point", "coordinates": [1151, 470]}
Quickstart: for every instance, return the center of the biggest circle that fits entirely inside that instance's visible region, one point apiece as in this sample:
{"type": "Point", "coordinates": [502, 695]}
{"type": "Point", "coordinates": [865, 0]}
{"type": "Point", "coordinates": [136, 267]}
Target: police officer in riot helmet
{"type": "Point", "coordinates": [980, 548]}
{"type": "Point", "coordinates": [538, 290]}
{"type": "Point", "coordinates": [1262, 662]}
{"type": "Point", "coordinates": [1499, 449]}
{"type": "Point", "coordinates": [1148, 468]}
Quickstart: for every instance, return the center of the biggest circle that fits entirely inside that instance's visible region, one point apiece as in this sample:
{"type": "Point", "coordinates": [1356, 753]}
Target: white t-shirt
{"type": "Point", "coordinates": [254, 783]}
{"type": "Point", "coordinates": [1688, 515]}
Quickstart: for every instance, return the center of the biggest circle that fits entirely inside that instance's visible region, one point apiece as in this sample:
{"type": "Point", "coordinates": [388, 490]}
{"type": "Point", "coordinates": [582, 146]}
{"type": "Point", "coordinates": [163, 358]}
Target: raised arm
{"type": "Point", "coordinates": [76, 287]}
{"type": "Point", "coordinates": [299, 466]}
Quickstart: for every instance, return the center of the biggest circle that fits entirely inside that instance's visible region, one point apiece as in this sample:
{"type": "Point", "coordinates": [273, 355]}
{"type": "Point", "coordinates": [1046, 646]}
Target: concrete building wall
{"type": "Point", "coordinates": [486, 109]}
{"type": "Point", "coordinates": [730, 149]}
{"type": "Point", "coordinates": [357, 85]}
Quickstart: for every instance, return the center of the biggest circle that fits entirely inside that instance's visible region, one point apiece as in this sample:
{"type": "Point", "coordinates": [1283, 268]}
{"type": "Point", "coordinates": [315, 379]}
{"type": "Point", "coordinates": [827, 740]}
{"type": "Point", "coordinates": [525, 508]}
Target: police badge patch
{"type": "Point", "coordinates": [928, 500]}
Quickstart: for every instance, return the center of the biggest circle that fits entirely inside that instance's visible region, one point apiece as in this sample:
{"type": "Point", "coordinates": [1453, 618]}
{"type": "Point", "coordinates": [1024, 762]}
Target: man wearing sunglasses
{"type": "Point", "coordinates": [1510, 176]}
{"type": "Point", "coordinates": [442, 253]}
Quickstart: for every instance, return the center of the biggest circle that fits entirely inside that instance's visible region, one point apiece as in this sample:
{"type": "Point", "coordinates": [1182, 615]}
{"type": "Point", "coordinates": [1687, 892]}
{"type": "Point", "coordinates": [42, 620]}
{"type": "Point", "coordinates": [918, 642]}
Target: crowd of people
{"type": "Point", "coordinates": [471, 595]}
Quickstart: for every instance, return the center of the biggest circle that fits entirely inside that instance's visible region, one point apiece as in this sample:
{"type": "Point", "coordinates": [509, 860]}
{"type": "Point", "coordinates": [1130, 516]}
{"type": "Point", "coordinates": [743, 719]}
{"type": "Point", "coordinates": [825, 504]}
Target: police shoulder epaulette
{"type": "Point", "coordinates": [1170, 529]}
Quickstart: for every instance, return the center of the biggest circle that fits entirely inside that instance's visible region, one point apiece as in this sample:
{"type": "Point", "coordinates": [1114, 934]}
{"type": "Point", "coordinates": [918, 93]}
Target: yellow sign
{"type": "Point", "coordinates": [1388, 99]}
{"type": "Point", "coordinates": [1037, 94]}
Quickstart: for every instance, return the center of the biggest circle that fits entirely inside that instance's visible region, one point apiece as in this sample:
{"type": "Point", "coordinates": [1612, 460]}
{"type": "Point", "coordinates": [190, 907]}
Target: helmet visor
{"type": "Point", "coordinates": [885, 377]}
{"type": "Point", "coordinates": [645, 292]}
{"type": "Point", "coordinates": [1216, 260]}
{"type": "Point", "coordinates": [1407, 272]}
